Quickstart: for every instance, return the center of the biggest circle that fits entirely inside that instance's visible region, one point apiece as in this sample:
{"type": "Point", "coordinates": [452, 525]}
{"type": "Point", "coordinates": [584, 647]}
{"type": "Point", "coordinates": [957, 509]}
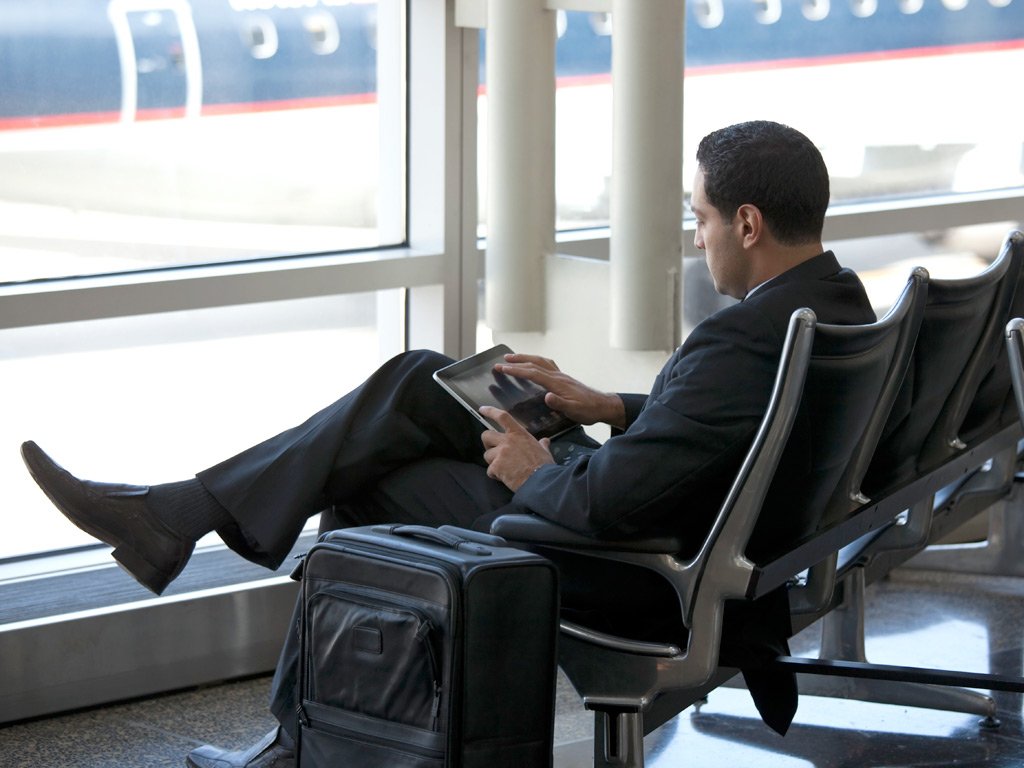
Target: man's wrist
{"type": "Point", "coordinates": [615, 411]}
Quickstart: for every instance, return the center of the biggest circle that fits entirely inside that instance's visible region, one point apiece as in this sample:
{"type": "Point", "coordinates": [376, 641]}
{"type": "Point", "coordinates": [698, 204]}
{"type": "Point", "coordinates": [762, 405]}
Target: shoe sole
{"type": "Point", "coordinates": [142, 571]}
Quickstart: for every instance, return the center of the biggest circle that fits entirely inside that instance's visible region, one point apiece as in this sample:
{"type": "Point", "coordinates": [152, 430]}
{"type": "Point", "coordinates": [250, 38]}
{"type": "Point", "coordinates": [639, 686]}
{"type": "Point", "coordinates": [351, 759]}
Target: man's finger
{"type": "Point", "coordinates": [526, 371]}
{"type": "Point", "coordinates": [554, 402]}
{"type": "Point", "coordinates": [503, 418]}
{"type": "Point", "coordinates": [540, 362]}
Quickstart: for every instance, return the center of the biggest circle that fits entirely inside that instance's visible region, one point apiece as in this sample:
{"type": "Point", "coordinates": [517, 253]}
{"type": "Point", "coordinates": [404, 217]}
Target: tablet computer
{"type": "Point", "coordinates": [474, 383]}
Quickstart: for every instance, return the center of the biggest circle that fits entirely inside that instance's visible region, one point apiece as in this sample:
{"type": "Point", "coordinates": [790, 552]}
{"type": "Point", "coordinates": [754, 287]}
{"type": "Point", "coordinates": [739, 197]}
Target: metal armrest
{"type": "Point", "coordinates": [616, 643]}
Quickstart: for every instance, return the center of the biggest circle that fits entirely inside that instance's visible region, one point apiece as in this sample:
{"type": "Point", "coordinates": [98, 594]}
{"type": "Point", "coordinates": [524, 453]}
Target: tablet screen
{"type": "Point", "coordinates": [474, 382]}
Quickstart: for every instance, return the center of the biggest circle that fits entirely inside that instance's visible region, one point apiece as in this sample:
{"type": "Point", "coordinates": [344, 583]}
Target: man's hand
{"type": "Point", "coordinates": [576, 400]}
{"type": "Point", "coordinates": [513, 455]}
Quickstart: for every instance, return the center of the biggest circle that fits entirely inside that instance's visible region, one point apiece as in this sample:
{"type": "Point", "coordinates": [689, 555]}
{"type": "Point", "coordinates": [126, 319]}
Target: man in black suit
{"type": "Point", "coordinates": [398, 449]}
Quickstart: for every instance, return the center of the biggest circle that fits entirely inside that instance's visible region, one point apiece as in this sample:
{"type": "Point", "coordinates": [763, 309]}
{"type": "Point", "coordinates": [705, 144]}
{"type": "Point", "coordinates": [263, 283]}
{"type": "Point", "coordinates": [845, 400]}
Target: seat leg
{"type": "Point", "coordinates": [1002, 553]}
{"type": "Point", "coordinates": [843, 639]}
{"type": "Point", "coordinates": [618, 738]}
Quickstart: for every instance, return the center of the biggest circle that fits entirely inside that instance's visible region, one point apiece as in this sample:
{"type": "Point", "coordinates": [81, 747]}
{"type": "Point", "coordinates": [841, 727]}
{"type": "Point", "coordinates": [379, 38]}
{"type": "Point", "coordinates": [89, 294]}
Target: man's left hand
{"type": "Point", "coordinates": [513, 455]}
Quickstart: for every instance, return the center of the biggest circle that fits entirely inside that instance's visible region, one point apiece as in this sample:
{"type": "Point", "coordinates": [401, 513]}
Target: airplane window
{"type": "Point", "coordinates": [999, 3]}
{"type": "Point", "coordinates": [323, 32]}
{"type": "Point", "coordinates": [709, 13]}
{"type": "Point", "coordinates": [370, 30]}
{"type": "Point", "coordinates": [911, 6]}
{"type": "Point", "coordinates": [767, 11]}
{"type": "Point", "coordinates": [561, 22]}
{"type": "Point", "coordinates": [260, 35]}
{"type": "Point", "coordinates": [816, 10]}
{"type": "Point", "coordinates": [601, 23]}
{"type": "Point", "coordinates": [863, 8]}
{"type": "Point", "coordinates": [954, 5]}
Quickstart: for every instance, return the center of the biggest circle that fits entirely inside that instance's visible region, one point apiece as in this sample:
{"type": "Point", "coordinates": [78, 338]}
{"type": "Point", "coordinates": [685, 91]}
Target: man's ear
{"type": "Point", "coordinates": [750, 223]}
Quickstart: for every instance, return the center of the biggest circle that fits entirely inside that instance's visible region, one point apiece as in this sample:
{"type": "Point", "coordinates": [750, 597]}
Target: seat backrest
{"type": "Point", "coordinates": [798, 472]}
{"type": "Point", "coordinates": [956, 347]}
{"type": "Point", "coordinates": [724, 546]}
{"type": "Point", "coordinates": [993, 405]}
{"type": "Point", "coordinates": [907, 313]}
{"type": "Point", "coordinates": [854, 374]}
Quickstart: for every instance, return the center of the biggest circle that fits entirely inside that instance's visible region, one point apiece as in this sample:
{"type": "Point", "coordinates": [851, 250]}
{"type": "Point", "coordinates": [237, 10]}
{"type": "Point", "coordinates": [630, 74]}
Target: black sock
{"type": "Point", "coordinates": [187, 508]}
{"type": "Point", "coordinates": [284, 739]}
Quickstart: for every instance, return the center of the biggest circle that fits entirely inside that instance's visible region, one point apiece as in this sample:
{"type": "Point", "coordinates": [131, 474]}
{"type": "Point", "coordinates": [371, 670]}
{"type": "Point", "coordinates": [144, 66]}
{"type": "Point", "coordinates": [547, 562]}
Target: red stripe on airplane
{"type": "Point", "coordinates": [863, 56]}
{"type": "Point", "coordinates": [163, 113]}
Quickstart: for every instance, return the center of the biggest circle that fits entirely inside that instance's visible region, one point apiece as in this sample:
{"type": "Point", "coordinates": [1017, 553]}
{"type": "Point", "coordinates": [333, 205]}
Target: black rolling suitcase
{"type": "Point", "coordinates": [426, 647]}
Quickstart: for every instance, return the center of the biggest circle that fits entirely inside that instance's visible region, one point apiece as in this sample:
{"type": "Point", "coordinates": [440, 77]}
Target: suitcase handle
{"type": "Point", "coordinates": [444, 538]}
{"type": "Point", "coordinates": [478, 536]}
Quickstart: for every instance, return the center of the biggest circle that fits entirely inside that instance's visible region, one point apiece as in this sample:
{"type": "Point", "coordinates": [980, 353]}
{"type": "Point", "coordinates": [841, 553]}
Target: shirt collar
{"type": "Point", "coordinates": [753, 290]}
{"type": "Point", "coordinates": [817, 267]}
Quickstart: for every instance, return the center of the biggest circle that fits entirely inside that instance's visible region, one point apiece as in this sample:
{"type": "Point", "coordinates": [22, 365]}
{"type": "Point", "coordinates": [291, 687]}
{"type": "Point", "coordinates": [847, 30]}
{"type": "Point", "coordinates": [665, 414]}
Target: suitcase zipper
{"type": "Point", "coordinates": [423, 635]}
{"type": "Point", "coordinates": [372, 598]}
{"type": "Point", "coordinates": [381, 741]}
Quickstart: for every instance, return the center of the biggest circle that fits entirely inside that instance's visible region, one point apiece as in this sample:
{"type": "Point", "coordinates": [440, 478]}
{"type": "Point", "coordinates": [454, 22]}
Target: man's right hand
{"type": "Point", "coordinates": [576, 400]}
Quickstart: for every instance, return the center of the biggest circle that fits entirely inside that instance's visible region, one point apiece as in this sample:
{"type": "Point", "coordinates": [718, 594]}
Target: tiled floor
{"type": "Point", "coordinates": [916, 617]}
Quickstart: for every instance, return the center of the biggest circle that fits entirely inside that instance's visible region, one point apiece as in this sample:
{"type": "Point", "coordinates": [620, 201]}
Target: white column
{"type": "Point", "coordinates": [521, 162]}
{"type": "Point", "coordinates": [647, 183]}
{"type": "Point", "coordinates": [442, 91]}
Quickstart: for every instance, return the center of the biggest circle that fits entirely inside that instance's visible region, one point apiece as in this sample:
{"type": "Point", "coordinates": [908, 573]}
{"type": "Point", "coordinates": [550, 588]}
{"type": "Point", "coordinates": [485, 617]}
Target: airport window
{"type": "Point", "coordinates": [880, 142]}
{"type": "Point", "coordinates": [170, 134]}
{"type": "Point", "coordinates": [148, 399]}
{"type": "Point", "coordinates": [151, 136]}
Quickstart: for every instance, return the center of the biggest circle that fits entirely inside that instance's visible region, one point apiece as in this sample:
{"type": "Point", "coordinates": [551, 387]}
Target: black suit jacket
{"type": "Point", "coordinates": [670, 470]}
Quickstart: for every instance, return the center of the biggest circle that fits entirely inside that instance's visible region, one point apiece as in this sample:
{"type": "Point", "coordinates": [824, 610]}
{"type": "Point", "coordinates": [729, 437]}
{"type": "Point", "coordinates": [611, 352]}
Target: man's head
{"type": "Point", "coordinates": [760, 198]}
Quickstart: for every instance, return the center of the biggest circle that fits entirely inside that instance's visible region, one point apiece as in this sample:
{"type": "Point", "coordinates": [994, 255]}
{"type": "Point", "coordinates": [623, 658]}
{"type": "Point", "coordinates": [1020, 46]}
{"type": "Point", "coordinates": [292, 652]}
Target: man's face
{"type": "Point", "coordinates": [721, 242]}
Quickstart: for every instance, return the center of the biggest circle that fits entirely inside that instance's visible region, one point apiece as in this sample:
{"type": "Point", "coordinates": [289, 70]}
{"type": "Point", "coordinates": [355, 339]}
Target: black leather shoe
{"type": "Point", "coordinates": [268, 752]}
{"type": "Point", "coordinates": [117, 515]}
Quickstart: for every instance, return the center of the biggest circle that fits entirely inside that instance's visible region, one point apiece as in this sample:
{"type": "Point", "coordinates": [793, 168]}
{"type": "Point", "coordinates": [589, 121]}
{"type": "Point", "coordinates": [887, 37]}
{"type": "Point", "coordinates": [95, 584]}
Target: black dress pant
{"type": "Point", "coordinates": [398, 448]}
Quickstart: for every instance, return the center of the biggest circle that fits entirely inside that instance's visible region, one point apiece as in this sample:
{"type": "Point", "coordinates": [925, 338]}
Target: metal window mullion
{"type": "Point", "coordinates": [99, 298]}
{"type": "Point", "coordinates": [442, 173]}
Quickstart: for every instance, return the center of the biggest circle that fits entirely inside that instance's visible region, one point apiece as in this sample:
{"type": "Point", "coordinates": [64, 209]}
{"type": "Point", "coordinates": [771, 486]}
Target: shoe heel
{"type": "Point", "coordinates": [154, 580]}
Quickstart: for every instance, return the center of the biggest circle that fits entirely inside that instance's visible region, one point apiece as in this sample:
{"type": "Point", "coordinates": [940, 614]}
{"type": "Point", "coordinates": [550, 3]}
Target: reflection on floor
{"type": "Point", "coordinates": [916, 617]}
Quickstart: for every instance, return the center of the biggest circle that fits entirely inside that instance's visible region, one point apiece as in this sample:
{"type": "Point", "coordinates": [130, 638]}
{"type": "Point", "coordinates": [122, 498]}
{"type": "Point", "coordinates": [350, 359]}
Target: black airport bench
{"type": "Point", "coordinates": [917, 431]}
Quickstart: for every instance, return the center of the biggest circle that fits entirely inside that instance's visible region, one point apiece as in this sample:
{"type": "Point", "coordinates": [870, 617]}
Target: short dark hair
{"type": "Point", "coordinates": [772, 166]}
